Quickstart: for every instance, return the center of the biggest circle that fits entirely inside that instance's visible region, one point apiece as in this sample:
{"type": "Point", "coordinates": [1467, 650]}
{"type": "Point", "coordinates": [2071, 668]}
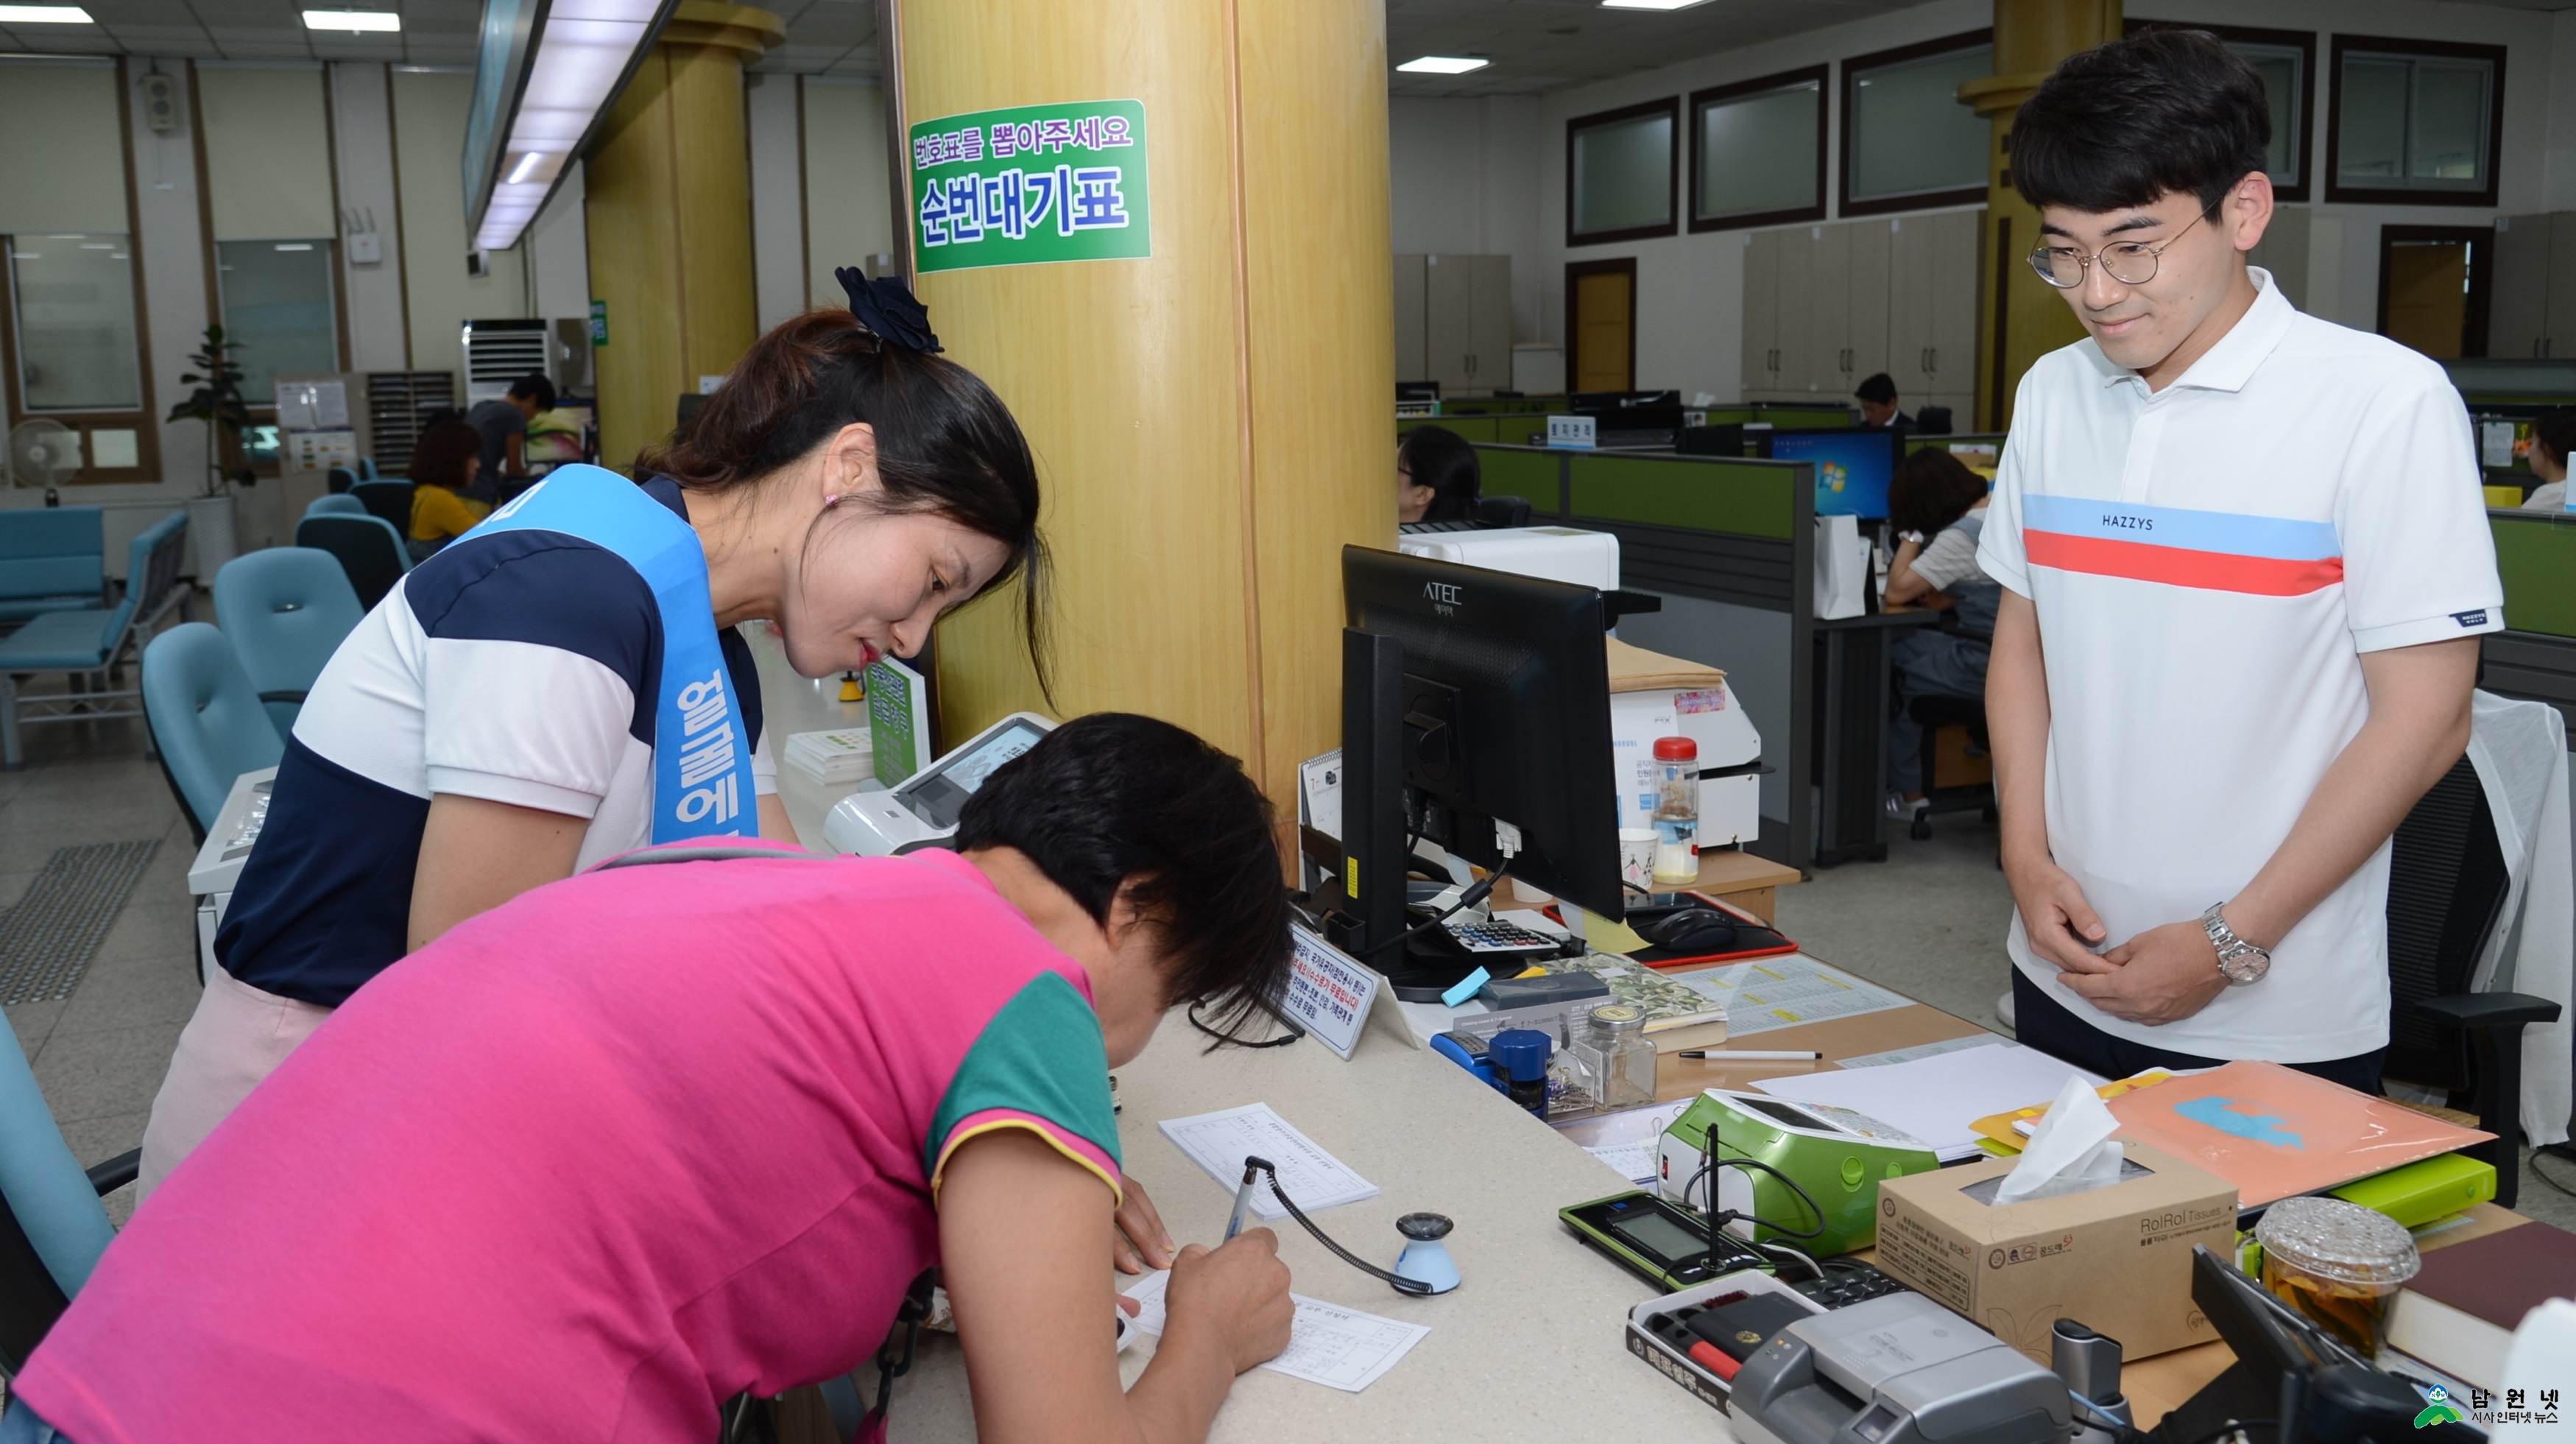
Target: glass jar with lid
{"type": "Point", "coordinates": [1621, 1060]}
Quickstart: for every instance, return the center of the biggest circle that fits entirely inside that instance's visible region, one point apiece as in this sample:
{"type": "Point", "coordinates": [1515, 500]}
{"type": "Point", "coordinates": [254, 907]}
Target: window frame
{"type": "Point", "coordinates": [2303, 41]}
{"type": "Point", "coordinates": [2408, 49]}
{"type": "Point", "coordinates": [1670, 107]}
{"type": "Point", "coordinates": [1852, 70]}
{"type": "Point", "coordinates": [1821, 77]}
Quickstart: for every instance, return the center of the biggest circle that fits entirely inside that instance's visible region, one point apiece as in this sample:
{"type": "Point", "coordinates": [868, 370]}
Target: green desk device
{"type": "Point", "coordinates": [1664, 1245]}
{"type": "Point", "coordinates": [1768, 1150]}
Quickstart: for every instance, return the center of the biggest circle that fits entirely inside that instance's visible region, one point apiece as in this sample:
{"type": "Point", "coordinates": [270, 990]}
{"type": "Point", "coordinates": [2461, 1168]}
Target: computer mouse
{"type": "Point", "coordinates": [1690, 930]}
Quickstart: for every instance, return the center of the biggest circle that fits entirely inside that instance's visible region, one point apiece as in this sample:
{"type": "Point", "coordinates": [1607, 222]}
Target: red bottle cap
{"type": "Point", "coordinates": [1676, 749]}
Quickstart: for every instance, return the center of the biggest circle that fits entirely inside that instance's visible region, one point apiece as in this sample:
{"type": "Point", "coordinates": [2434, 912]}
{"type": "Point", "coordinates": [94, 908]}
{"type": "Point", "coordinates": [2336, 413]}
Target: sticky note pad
{"type": "Point", "coordinates": [1468, 987]}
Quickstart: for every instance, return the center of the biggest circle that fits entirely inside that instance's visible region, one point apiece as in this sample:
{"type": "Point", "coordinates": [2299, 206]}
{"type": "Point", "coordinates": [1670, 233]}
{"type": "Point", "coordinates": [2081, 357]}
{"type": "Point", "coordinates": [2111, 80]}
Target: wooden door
{"type": "Point", "coordinates": [1447, 296]}
{"type": "Point", "coordinates": [2558, 326]}
{"type": "Point", "coordinates": [1761, 313]}
{"type": "Point", "coordinates": [1601, 325]}
{"type": "Point", "coordinates": [1489, 323]}
{"type": "Point", "coordinates": [2518, 324]}
{"type": "Point", "coordinates": [1412, 362]}
{"type": "Point", "coordinates": [1865, 326]}
{"type": "Point", "coordinates": [1828, 370]}
{"type": "Point", "coordinates": [2433, 287]}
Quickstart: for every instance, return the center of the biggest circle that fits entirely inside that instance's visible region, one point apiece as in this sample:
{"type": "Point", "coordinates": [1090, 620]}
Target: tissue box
{"type": "Point", "coordinates": [2115, 1259]}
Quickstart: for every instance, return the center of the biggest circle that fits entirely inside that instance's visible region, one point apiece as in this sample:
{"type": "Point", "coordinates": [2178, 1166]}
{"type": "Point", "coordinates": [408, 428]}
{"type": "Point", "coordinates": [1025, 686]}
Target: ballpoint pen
{"type": "Point", "coordinates": [1243, 1196]}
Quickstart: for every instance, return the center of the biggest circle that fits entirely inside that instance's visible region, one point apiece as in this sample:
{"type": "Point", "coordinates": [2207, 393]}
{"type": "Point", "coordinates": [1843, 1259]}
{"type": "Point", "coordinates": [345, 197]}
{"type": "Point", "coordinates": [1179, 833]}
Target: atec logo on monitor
{"type": "Point", "coordinates": [1444, 597]}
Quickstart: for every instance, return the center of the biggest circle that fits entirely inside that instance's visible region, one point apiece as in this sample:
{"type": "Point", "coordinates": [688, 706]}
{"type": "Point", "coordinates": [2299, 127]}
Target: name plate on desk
{"type": "Point", "coordinates": [1329, 992]}
{"type": "Point", "coordinates": [1577, 433]}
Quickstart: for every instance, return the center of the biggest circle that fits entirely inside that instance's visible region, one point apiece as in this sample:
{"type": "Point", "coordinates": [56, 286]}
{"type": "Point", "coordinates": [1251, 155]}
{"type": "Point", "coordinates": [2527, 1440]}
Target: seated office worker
{"type": "Point", "coordinates": [503, 425]}
{"type": "Point", "coordinates": [444, 463]}
{"type": "Point", "coordinates": [567, 683]}
{"type": "Point", "coordinates": [1936, 507]}
{"type": "Point", "coordinates": [2254, 544]}
{"type": "Point", "coordinates": [604, 1157]}
{"type": "Point", "coordinates": [1436, 476]}
{"type": "Point", "coordinates": [1877, 397]}
{"type": "Point", "coordinates": [2553, 439]}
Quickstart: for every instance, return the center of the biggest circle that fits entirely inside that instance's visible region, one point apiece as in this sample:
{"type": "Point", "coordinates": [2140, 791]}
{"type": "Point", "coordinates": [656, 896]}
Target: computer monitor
{"type": "Point", "coordinates": [1417, 391]}
{"type": "Point", "coordinates": [1475, 706]}
{"type": "Point", "coordinates": [1853, 465]}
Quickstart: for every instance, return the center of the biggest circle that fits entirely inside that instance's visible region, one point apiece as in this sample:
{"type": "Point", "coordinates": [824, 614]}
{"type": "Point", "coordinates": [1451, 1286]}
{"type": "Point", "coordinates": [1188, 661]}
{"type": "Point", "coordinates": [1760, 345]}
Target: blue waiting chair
{"type": "Point", "coordinates": [91, 642]}
{"type": "Point", "coordinates": [337, 505]}
{"type": "Point", "coordinates": [388, 499]}
{"type": "Point", "coordinates": [207, 721]}
{"type": "Point", "coordinates": [286, 610]}
{"type": "Point", "coordinates": [367, 469]}
{"type": "Point", "coordinates": [52, 1226]}
{"type": "Point", "coordinates": [371, 552]}
{"type": "Point", "coordinates": [339, 479]}
{"type": "Point", "coordinates": [51, 559]}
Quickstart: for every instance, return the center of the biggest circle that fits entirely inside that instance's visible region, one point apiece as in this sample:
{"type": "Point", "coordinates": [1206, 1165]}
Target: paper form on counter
{"type": "Point", "coordinates": [1219, 1142]}
{"type": "Point", "coordinates": [1328, 1344]}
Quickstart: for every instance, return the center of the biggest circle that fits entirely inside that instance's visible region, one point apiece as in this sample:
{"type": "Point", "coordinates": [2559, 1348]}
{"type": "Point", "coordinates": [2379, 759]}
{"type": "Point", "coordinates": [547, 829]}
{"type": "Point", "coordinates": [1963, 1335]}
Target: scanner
{"type": "Point", "coordinates": [1898, 1369]}
{"type": "Point", "coordinates": [921, 811]}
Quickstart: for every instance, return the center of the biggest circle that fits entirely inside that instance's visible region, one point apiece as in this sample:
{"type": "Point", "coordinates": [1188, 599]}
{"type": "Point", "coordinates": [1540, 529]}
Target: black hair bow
{"type": "Point", "coordinates": [887, 308]}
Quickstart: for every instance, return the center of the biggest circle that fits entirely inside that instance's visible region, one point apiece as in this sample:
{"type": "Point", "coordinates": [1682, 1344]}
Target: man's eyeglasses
{"type": "Point", "coordinates": [2131, 263]}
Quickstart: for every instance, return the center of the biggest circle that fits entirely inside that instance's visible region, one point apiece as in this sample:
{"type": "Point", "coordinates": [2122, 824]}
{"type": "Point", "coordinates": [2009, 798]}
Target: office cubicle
{"type": "Point", "coordinates": [1728, 545]}
{"type": "Point", "coordinates": [2535, 656]}
{"type": "Point", "coordinates": [1785, 415]}
{"type": "Point", "coordinates": [1508, 428]}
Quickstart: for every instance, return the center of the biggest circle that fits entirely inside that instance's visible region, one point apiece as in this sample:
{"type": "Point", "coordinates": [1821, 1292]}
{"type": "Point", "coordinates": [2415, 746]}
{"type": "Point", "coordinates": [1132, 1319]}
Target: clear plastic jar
{"type": "Point", "coordinates": [1622, 1060]}
{"type": "Point", "coordinates": [1676, 820]}
{"type": "Point", "coordinates": [2339, 1264]}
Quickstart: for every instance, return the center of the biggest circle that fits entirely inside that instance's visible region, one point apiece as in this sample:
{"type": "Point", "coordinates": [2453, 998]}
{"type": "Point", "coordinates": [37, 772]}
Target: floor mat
{"type": "Point", "coordinates": [48, 938]}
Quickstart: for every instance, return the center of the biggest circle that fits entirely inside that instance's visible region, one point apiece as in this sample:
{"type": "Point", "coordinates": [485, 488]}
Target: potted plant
{"type": "Point", "coordinates": [217, 401]}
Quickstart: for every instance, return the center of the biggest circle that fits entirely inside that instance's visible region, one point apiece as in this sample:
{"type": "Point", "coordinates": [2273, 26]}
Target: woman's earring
{"type": "Point", "coordinates": [831, 499]}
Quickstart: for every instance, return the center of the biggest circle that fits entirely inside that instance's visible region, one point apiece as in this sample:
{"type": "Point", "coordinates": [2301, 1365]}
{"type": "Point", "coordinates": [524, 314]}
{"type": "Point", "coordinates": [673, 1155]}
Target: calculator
{"type": "Point", "coordinates": [1492, 937]}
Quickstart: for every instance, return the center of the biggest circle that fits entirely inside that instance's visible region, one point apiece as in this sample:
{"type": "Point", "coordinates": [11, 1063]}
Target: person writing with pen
{"type": "Point", "coordinates": [690, 1125]}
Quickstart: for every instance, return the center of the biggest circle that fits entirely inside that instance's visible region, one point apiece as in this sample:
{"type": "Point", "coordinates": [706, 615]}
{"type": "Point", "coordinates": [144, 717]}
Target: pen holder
{"type": "Point", "coordinates": [1425, 1259]}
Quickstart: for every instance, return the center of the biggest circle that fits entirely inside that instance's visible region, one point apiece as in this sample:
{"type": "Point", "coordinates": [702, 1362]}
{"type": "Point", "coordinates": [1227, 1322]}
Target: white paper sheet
{"type": "Point", "coordinates": [1219, 1142]}
{"type": "Point", "coordinates": [1328, 1344]}
{"type": "Point", "coordinates": [1784, 992]}
{"type": "Point", "coordinates": [1926, 1050]}
{"type": "Point", "coordinates": [1636, 1162]}
{"type": "Point", "coordinates": [1936, 1098]}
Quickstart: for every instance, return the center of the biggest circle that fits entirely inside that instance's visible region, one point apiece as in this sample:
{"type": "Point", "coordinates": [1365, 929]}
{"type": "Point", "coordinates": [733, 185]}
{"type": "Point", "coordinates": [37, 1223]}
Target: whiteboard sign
{"type": "Point", "coordinates": [1328, 992]}
{"type": "Point", "coordinates": [1576, 433]}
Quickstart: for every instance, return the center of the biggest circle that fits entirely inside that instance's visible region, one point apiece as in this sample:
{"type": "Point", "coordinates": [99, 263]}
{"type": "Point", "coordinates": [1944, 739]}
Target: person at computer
{"type": "Point", "coordinates": [1936, 508]}
{"type": "Point", "coordinates": [1436, 477]}
{"type": "Point", "coordinates": [623, 1148]}
{"type": "Point", "coordinates": [503, 425]}
{"type": "Point", "coordinates": [2553, 438]}
{"type": "Point", "coordinates": [2254, 543]}
{"type": "Point", "coordinates": [1877, 397]}
{"type": "Point", "coordinates": [444, 463]}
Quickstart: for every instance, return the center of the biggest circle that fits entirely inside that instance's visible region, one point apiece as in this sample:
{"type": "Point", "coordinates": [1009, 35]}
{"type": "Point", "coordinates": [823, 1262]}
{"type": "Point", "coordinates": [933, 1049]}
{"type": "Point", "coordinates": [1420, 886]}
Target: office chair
{"type": "Point", "coordinates": [1502, 511]}
{"type": "Point", "coordinates": [207, 720]}
{"type": "Point", "coordinates": [1933, 421]}
{"type": "Point", "coordinates": [340, 479]}
{"type": "Point", "coordinates": [388, 499]}
{"type": "Point", "coordinates": [337, 504]}
{"type": "Point", "coordinates": [285, 610]}
{"type": "Point", "coordinates": [370, 550]}
{"type": "Point", "coordinates": [2447, 884]}
{"type": "Point", "coordinates": [1932, 714]}
{"type": "Point", "coordinates": [52, 1226]}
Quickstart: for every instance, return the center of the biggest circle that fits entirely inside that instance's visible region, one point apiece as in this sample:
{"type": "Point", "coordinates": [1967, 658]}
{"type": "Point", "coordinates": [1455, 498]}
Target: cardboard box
{"type": "Point", "coordinates": [2116, 1259]}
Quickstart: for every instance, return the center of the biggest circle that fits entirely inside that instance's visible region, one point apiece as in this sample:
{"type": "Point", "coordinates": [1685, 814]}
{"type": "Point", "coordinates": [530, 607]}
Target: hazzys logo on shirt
{"type": "Point", "coordinates": [1031, 185]}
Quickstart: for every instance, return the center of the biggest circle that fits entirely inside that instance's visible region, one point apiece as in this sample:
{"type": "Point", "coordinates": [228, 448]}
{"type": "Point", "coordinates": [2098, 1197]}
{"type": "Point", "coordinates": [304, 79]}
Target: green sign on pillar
{"type": "Point", "coordinates": [1030, 185]}
{"type": "Point", "coordinates": [599, 323]}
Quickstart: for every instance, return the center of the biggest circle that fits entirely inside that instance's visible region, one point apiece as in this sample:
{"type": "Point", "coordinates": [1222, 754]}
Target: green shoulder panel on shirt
{"type": "Point", "coordinates": [1041, 1054]}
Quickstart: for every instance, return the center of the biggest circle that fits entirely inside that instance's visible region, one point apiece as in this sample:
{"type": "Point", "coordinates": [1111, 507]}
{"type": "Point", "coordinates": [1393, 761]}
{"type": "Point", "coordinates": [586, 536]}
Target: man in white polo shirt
{"type": "Point", "coordinates": [2245, 564]}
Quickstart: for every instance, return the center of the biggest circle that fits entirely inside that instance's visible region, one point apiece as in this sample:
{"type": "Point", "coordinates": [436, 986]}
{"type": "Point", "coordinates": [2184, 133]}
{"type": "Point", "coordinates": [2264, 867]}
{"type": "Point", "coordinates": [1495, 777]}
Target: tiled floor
{"type": "Point", "coordinates": [99, 1054]}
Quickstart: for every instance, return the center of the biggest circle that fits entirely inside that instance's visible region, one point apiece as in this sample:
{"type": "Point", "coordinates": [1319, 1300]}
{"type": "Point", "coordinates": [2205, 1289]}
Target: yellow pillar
{"type": "Point", "coordinates": [668, 206]}
{"type": "Point", "coordinates": [2020, 317]}
{"type": "Point", "coordinates": [1213, 422]}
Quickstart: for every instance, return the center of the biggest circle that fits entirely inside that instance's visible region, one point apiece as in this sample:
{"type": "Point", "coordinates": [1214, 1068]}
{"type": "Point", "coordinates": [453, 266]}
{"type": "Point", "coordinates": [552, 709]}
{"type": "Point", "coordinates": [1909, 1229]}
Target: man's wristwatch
{"type": "Point", "coordinates": [2239, 961]}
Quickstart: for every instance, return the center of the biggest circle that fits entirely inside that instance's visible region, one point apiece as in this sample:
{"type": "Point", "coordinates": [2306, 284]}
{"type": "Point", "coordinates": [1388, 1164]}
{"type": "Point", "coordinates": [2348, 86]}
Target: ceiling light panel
{"type": "Point", "coordinates": [581, 52]}
{"type": "Point", "coordinates": [1650, 4]}
{"type": "Point", "coordinates": [44, 15]}
{"type": "Point", "coordinates": [378, 21]}
{"type": "Point", "coordinates": [1443, 64]}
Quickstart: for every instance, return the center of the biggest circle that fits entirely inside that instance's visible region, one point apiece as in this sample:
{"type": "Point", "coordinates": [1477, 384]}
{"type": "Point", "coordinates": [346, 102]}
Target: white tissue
{"type": "Point", "coordinates": [2070, 1151]}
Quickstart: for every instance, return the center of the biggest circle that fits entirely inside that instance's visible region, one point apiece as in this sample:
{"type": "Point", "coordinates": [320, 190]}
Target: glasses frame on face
{"type": "Point", "coordinates": [2152, 255]}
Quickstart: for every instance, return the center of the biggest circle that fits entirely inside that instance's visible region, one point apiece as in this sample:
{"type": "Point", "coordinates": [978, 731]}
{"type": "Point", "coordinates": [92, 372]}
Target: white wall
{"type": "Point", "coordinates": [774, 128]}
{"type": "Point", "coordinates": [848, 214]}
{"type": "Point", "coordinates": [429, 145]}
{"type": "Point", "coordinates": [558, 251]}
{"type": "Point", "coordinates": [1489, 175]}
{"type": "Point", "coordinates": [362, 125]}
{"type": "Point", "coordinates": [1463, 182]}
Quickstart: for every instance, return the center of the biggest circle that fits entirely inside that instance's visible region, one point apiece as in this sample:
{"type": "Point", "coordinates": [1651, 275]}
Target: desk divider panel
{"type": "Point", "coordinates": [1531, 472]}
{"type": "Point", "coordinates": [2535, 657]}
{"type": "Point", "coordinates": [1920, 442]}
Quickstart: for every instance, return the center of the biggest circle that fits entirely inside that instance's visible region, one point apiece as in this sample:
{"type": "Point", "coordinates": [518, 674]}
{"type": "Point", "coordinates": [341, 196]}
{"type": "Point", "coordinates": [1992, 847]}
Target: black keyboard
{"type": "Point", "coordinates": [1842, 1287]}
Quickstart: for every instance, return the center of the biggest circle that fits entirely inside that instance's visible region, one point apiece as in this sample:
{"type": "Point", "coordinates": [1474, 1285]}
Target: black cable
{"type": "Point", "coordinates": [1402, 1285]}
{"type": "Point", "coordinates": [2543, 1174]}
{"type": "Point", "coordinates": [1803, 1197]}
{"type": "Point", "coordinates": [1472, 896]}
{"type": "Point", "coordinates": [1228, 1039]}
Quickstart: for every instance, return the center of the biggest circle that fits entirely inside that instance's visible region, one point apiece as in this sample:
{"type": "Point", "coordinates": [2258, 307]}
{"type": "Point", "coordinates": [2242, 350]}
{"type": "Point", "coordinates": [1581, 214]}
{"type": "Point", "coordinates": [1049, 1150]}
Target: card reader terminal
{"type": "Point", "coordinates": [1664, 1245]}
{"type": "Point", "coordinates": [921, 811]}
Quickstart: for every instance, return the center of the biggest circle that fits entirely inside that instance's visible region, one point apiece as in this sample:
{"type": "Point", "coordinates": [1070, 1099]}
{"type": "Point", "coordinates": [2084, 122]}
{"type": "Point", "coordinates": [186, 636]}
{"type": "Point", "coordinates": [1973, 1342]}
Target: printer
{"type": "Point", "coordinates": [1899, 1369]}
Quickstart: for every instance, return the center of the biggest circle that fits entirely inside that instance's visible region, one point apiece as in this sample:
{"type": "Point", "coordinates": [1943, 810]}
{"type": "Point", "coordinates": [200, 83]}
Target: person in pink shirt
{"type": "Point", "coordinates": [656, 1136]}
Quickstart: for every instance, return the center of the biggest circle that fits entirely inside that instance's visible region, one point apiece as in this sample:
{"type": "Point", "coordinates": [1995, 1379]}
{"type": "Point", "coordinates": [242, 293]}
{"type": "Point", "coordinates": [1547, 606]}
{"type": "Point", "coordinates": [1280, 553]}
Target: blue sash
{"type": "Point", "coordinates": [701, 747]}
